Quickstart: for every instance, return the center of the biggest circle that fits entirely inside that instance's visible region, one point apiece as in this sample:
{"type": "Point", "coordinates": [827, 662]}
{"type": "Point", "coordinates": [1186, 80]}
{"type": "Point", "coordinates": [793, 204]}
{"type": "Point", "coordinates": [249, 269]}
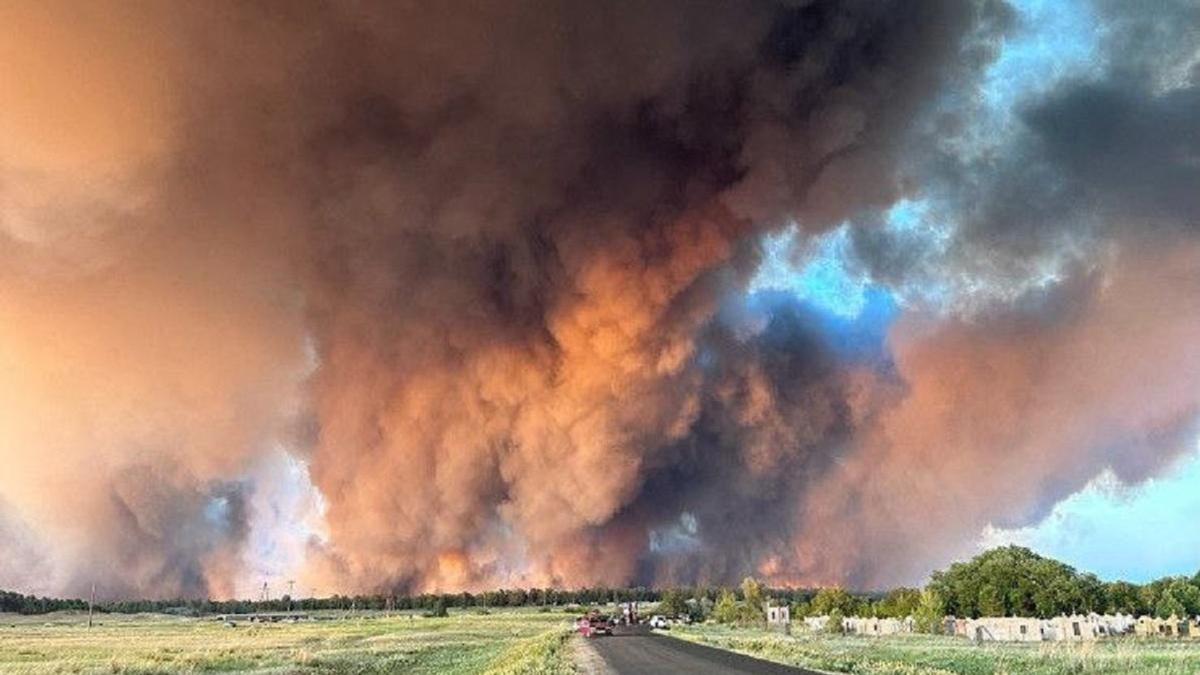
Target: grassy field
{"type": "Point", "coordinates": [511, 642]}
{"type": "Point", "coordinates": [503, 643]}
{"type": "Point", "coordinates": [937, 655]}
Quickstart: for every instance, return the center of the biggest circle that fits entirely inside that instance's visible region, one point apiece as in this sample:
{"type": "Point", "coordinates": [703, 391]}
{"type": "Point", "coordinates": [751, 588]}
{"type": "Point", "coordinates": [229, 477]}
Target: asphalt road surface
{"type": "Point", "coordinates": [633, 651]}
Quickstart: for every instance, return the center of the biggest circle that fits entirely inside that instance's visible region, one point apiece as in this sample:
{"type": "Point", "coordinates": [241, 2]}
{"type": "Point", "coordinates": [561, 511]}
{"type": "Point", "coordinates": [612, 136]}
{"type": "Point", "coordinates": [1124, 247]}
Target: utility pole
{"type": "Point", "coordinates": [91, 602]}
{"type": "Point", "coordinates": [291, 593]}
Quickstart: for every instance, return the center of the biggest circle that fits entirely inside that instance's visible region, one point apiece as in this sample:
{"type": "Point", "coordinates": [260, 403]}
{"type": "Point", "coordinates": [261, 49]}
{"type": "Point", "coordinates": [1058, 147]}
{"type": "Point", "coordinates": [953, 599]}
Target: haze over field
{"type": "Point", "coordinates": [437, 296]}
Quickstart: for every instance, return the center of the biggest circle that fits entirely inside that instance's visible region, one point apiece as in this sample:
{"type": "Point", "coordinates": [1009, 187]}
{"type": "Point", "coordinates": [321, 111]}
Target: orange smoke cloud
{"type": "Point", "coordinates": [148, 354]}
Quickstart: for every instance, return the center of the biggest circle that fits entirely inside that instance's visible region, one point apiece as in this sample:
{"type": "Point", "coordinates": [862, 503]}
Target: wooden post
{"type": "Point", "coordinates": [91, 602]}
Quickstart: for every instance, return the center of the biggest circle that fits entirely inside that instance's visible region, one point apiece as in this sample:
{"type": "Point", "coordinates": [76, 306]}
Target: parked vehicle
{"type": "Point", "coordinates": [593, 624]}
{"type": "Point", "coordinates": [659, 621]}
{"type": "Point", "coordinates": [602, 626]}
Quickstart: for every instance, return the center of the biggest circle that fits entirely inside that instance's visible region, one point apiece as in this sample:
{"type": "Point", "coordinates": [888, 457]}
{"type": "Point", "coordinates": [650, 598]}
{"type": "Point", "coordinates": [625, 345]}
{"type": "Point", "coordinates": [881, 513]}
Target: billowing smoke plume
{"type": "Point", "coordinates": [1002, 417]}
{"type": "Point", "coordinates": [483, 269]}
{"type": "Point", "coordinates": [151, 341]}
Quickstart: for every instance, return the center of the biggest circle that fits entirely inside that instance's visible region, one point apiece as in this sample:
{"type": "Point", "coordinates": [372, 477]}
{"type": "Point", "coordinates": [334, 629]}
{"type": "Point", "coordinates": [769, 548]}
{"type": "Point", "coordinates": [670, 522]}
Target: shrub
{"type": "Point", "coordinates": [930, 612]}
{"type": "Point", "coordinates": [726, 609]}
{"type": "Point", "coordinates": [833, 624]}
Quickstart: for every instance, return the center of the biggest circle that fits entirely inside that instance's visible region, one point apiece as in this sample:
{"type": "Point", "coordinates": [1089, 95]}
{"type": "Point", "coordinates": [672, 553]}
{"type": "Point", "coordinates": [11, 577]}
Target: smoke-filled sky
{"type": "Point", "coordinates": [423, 296]}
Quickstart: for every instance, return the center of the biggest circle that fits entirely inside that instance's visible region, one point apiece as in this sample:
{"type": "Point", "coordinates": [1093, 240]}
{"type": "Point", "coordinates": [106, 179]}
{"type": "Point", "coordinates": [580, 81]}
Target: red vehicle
{"type": "Point", "coordinates": [593, 624]}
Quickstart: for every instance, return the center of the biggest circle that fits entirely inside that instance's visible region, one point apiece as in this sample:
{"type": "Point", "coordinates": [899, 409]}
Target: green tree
{"type": "Point", "coordinates": [1188, 596]}
{"type": "Point", "coordinates": [801, 609]}
{"type": "Point", "coordinates": [834, 623]}
{"type": "Point", "coordinates": [673, 603]}
{"type": "Point", "coordinates": [930, 612]}
{"type": "Point", "coordinates": [726, 609]}
{"type": "Point", "coordinates": [1092, 593]}
{"type": "Point", "coordinates": [1169, 606]}
{"type": "Point", "coordinates": [1122, 596]}
{"type": "Point", "coordinates": [899, 603]}
{"type": "Point", "coordinates": [1013, 580]}
{"type": "Point", "coordinates": [1148, 596]}
{"type": "Point", "coordinates": [753, 601]}
{"type": "Point", "coordinates": [829, 599]}
{"type": "Point", "coordinates": [991, 601]}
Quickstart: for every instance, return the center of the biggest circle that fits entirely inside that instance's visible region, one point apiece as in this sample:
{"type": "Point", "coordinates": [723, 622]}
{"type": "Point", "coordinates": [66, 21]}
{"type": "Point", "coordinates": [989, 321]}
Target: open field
{"type": "Point", "coordinates": [504, 642]}
{"type": "Point", "coordinates": [509, 642]}
{"type": "Point", "coordinates": [938, 655]}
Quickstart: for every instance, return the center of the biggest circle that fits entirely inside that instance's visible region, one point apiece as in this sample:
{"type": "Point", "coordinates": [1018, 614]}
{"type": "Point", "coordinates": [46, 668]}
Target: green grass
{"type": "Point", "coordinates": [502, 642]}
{"type": "Point", "coordinates": [939, 655]}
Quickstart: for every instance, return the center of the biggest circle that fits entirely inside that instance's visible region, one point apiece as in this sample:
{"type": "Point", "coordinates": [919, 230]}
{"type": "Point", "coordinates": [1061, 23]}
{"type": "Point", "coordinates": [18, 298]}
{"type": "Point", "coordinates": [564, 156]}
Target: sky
{"type": "Point", "coordinates": [376, 297]}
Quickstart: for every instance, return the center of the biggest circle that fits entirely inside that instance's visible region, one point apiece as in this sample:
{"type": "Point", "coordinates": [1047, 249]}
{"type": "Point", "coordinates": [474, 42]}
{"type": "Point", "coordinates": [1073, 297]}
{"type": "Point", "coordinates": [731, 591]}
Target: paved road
{"type": "Point", "coordinates": [644, 653]}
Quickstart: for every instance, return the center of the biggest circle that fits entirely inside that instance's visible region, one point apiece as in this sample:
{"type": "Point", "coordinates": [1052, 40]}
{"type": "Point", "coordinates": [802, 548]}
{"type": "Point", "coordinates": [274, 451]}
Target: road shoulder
{"type": "Point", "coordinates": [586, 659]}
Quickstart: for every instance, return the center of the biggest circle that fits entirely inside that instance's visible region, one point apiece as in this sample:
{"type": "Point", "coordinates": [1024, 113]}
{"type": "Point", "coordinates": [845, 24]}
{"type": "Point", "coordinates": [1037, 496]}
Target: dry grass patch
{"type": "Point", "coordinates": [501, 642]}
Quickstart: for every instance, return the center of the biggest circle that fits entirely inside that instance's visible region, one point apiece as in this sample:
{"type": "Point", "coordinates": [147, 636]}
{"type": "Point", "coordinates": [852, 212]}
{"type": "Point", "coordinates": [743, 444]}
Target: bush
{"type": "Point", "coordinates": [726, 609]}
{"type": "Point", "coordinates": [833, 624]}
{"type": "Point", "coordinates": [930, 613]}
{"type": "Point", "coordinates": [673, 603]}
{"type": "Point", "coordinates": [696, 610]}
{"type": "Point", "coordinates": [829, 599]}
{"type": "Point", "coordinates": [753, 599]}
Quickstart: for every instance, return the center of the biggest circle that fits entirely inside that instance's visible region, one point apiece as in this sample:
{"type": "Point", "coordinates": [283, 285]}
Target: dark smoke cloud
{"type": "Point", "coordinates": [1097, 156]}
{"type": "Point", "coordinates": [516, 264]}
{"type": "Point", "coordinates": [778, 411]}
{"type": "Point", "coordinates": [1071, 251]}
{"type": "Point", "coordinates": [482, 267]}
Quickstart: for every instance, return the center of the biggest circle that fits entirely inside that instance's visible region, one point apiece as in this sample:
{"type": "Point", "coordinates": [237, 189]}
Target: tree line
{"type": "Point", "coordinates": [1014, 581]}
{"type": "Point", "coordinates": [518, 597]}
{"type": "Point", "coordinates": [1008, 581]}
